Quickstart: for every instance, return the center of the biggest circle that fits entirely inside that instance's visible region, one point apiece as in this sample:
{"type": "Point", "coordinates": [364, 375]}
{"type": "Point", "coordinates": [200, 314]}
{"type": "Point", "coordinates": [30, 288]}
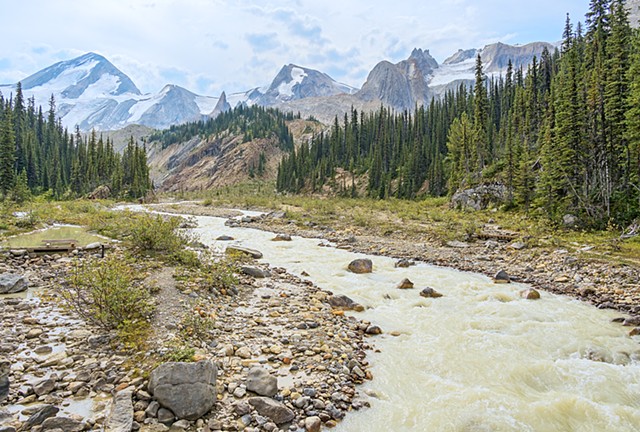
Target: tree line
{"type": "Point", "coordinates": [562, 136]}
{"type": "Point", "coordinates": [38, 155]}
{"type": "Point", "coordinates": [252, 122]}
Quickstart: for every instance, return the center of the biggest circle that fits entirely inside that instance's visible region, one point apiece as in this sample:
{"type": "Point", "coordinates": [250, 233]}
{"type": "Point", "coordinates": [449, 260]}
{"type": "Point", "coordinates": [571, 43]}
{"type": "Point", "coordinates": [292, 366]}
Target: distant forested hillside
{"type": "Point", "coordinates": [562, 136]}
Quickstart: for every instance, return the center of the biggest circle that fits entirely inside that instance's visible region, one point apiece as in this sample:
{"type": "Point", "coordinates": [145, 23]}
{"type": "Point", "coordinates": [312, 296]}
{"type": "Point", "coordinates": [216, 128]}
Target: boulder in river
{"type": "Point", "coordinates": [430, 293]}
{"type": "Point", "coordinates": [361, 266]}
{"type": "Point", "coordinates": [282, 237]}
{"type": "Point", "coordinates": [243, 251]}
{"type": "Point", "coordinates": [404, 263]}
{"type": "Point", "coordinates": [276, 411]}
{"type": "Point", "coordinates": [262, 382]}
{"type": "Point", "coordinates": [187, 389]}
{"type": "Point", "coordinates": [502, 277]}
{"type": "Point", "coordinates": [343, 302]}
{"type": "Point", "coordinates": [225, 238]}
{"type": "Point", "coordinates": [12, 283]}
{"type": "Point", "coordinates": [530, 294]}
{"type": "Point", "coordinates": [405, 284]}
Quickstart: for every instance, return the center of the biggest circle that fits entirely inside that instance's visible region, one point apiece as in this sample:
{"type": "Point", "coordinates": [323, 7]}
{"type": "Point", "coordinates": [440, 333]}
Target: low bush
{"type": "Point", "coordinates": [106, 293]}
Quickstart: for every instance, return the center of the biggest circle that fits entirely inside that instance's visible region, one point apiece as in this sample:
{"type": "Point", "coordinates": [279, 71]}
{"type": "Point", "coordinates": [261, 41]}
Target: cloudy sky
{"type": "Point", "coordinates": [212, 45]}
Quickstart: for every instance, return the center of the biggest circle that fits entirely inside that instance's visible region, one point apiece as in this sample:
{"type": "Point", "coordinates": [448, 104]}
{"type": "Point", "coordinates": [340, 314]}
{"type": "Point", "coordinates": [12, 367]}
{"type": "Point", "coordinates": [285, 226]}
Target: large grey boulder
{"type": "Point", "coordinates": [274, 410]}
{"type": "Point", "coordinates": [64, 423]}
{"type": "Point", "coordinates": [12, 283]}
{"type": "Point", "coordinates": [121, 416]}
{"type": "Point", "coordinates": [262, 382]}
{"type": "Point", "coordinates": [480, 197]}
{"type": "Point", "coordinates": [187, 389]}
{"type": "Point", "coordinates": [38, 417]}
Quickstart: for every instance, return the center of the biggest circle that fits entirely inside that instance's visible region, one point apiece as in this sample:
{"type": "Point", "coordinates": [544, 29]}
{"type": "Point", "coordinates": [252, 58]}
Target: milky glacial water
{"type": "Point", "coordinates": [478, 359]}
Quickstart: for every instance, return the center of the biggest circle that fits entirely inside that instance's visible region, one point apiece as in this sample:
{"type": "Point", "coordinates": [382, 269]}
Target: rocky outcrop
{"type": "Point", "coordinates": [222, 106]}
{"type": "Point", "coordinates": [187, 389]}
{"type": "Point", "coordinates": [361, 266]}
{"type": "Point", "coordinates": [12, 283]}
{"type": "Point", "coordinates": [480, 197]}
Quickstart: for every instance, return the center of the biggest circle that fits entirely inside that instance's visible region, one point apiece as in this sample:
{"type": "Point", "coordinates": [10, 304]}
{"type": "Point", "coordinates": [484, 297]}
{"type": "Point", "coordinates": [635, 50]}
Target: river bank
{"type": "Point", "coordinates": [64, 372]}
{"type": "Point", "coordinates": [576, 273]}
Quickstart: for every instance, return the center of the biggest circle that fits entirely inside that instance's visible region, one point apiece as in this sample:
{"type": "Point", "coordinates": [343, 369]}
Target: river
{"type": "Point", "coordinates": [480, 358]}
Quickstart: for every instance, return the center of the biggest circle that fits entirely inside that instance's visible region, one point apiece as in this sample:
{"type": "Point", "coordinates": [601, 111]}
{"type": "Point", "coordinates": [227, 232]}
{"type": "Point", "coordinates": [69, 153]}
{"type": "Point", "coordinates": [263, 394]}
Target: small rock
{"type": "Point", "coordinates": [64, 423]}
{"type": "Point", "coordinates": [373, 330]}
{"type": "Point", "coordinates": [244, 353]}
{"type": "Point", "coordinates": [404, 263]}
{"type": "Point", "coordinates": [255, 272]}
{"type": "Point", "coordinates": [282, 237]}
{"type": "Point", "coordinates": [44, 387]}
{"type": "Point", "coordinates": [530, 294]}
{"type": "Point", "coordinates": [569, 220]}
{"type": "Point", "coordinates": [152, 409]}
{"type": "Point", "coordinates": [361, 266]}
{"type": "Point", "coordinates": [635, 332]}
{"type": "Point", "coordinates": [181, 424]}
{"type": "Point", "coordinates": [261, 382]}
{"type": "Point", "coordinates": [405, 284]}
{"type": "Point", "coordinates": [225, 238]}
{"type": "Point", "coordinates": [502, 277]}
{"type": "Point", "coordinates": [430, 293]}
{"type": "Point", "coordinates": [517, 246]}
{"type": "Point", "coordinates": [165, 416]}
{"type": "Point", "coordinates": [341, 301]}
{"type": "Point", "coordinates": [40, 416]}
{"type": "Point", "coordinates": [631, 321]}
{"type": "Point", "coordinates": [457, 244]}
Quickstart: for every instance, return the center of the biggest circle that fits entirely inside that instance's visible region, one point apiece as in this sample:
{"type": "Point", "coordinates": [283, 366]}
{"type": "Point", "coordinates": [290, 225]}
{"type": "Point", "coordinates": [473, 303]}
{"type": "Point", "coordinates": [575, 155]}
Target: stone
{"type": "Point", "coordinates": [404, 263]}
{"type": "Point", "coordinates": [343, 302]}
{"type": "Point", "coordinates": [120, 417]}
{"type": "Point", "coordinates": [38, 417]}
{"type": "Point", "coordinates": [635, 332]}
{"type": "Point", "coordinates": [64, 423]}
{"type": "Point", "coordinates": [4, 388]}
{"type": "Point", "coordinates": [274, 410]}
{"type": "Point", "coordinates": [530, 294]}
{"type": "Point", "coordinates": [373, 330]}
{"type": "Point", "coordinates": [282, 237]}
{"type": "Point", "coordinates": [502, 277]}
{"type": "Point", "coordinates": [569, 220]}
{"type": "Point", "coordinates": [44, 387]}
{"type": "Point", "coordinates": [244, 353]}
{"type": "Point", "coordinates": [181, 424]}
{"type": "Point", "coordinates": [631, 321]}
{"type": "Point", "coordinates": [12, 283]}
{"type": "Point", "coordinates": [93, 246]}
{"type": "Point", "coordinates": [225, 238]}
{"type": "Point", "coordinates": [430, 293]}
{"type": "Point", "coordinates": [165, 416]}
{"type": "Point", "coordinates": [18, 252]}
{"type": "Point", "coordinates": [517, 246]}
{"type": "Point", "coordinates": [187, 389]}
{"type": "Point", "coordinates": [152, 409]}
{"type": "Point", "coordinates": [361, 266]}
{"type": "Point", "coordinates": [405, 284]}
{"type": "Point", "coordinates": [7, 429]}
{"type": "Point", "coordinates": [243, 251]}
{"type": "Point", "coordinates": [255, 272]}
{"type": "Point", "coordinates": [262, 382]}
{"type": "Point", "coordinates": [312, 424]}
{"type": "Point", "coordinates": [458, 244]}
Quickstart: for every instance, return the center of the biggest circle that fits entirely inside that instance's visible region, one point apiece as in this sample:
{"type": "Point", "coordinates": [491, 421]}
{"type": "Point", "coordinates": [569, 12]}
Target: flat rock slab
{"type": "Point", "coordinates": [274, 410]}
{"type": "Point", "coordinates": [262, 382]}
{"type": "Point", "coordinates": [121, 416]}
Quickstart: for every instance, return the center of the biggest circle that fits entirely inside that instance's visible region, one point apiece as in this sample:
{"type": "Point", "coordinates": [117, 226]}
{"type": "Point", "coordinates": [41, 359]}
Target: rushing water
{"type": "Point", "coordinates": [478, 359]}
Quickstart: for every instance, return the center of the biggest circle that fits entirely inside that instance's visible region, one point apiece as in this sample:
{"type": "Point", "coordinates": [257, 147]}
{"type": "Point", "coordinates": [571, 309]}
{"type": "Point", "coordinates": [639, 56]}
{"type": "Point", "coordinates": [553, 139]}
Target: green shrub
{"type": "Point", "coordinates": [154, 233]}
{"type": "Point", "coordinates": [180, 354]}
{"type": "Point", "coordinates": [105, 292]}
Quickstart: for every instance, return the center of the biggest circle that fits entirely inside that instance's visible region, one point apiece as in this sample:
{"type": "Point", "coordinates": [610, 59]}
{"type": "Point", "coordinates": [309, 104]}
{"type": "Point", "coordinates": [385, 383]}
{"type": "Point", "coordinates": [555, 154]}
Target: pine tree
{"type": "Point", "coordinates": [7, 153]}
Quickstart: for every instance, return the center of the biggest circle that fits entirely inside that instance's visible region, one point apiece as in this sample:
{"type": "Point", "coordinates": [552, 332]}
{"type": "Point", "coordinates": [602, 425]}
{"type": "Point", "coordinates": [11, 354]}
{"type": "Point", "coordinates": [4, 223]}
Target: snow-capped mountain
{"type": "Point", "coordinates": [420, 77]}
{"type": "Point", "coordinates": [90, 92]}
{"type": "Point", "coordinates": [296, 82]}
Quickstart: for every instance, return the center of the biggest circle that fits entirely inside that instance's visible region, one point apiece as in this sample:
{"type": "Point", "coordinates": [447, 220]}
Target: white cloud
{"type": "Point", "coordinates": [214, 45]}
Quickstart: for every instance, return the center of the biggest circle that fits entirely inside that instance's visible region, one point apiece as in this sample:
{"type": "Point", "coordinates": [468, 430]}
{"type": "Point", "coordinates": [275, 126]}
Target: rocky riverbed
{"type": "Point", "coordinates": [284, 358]}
